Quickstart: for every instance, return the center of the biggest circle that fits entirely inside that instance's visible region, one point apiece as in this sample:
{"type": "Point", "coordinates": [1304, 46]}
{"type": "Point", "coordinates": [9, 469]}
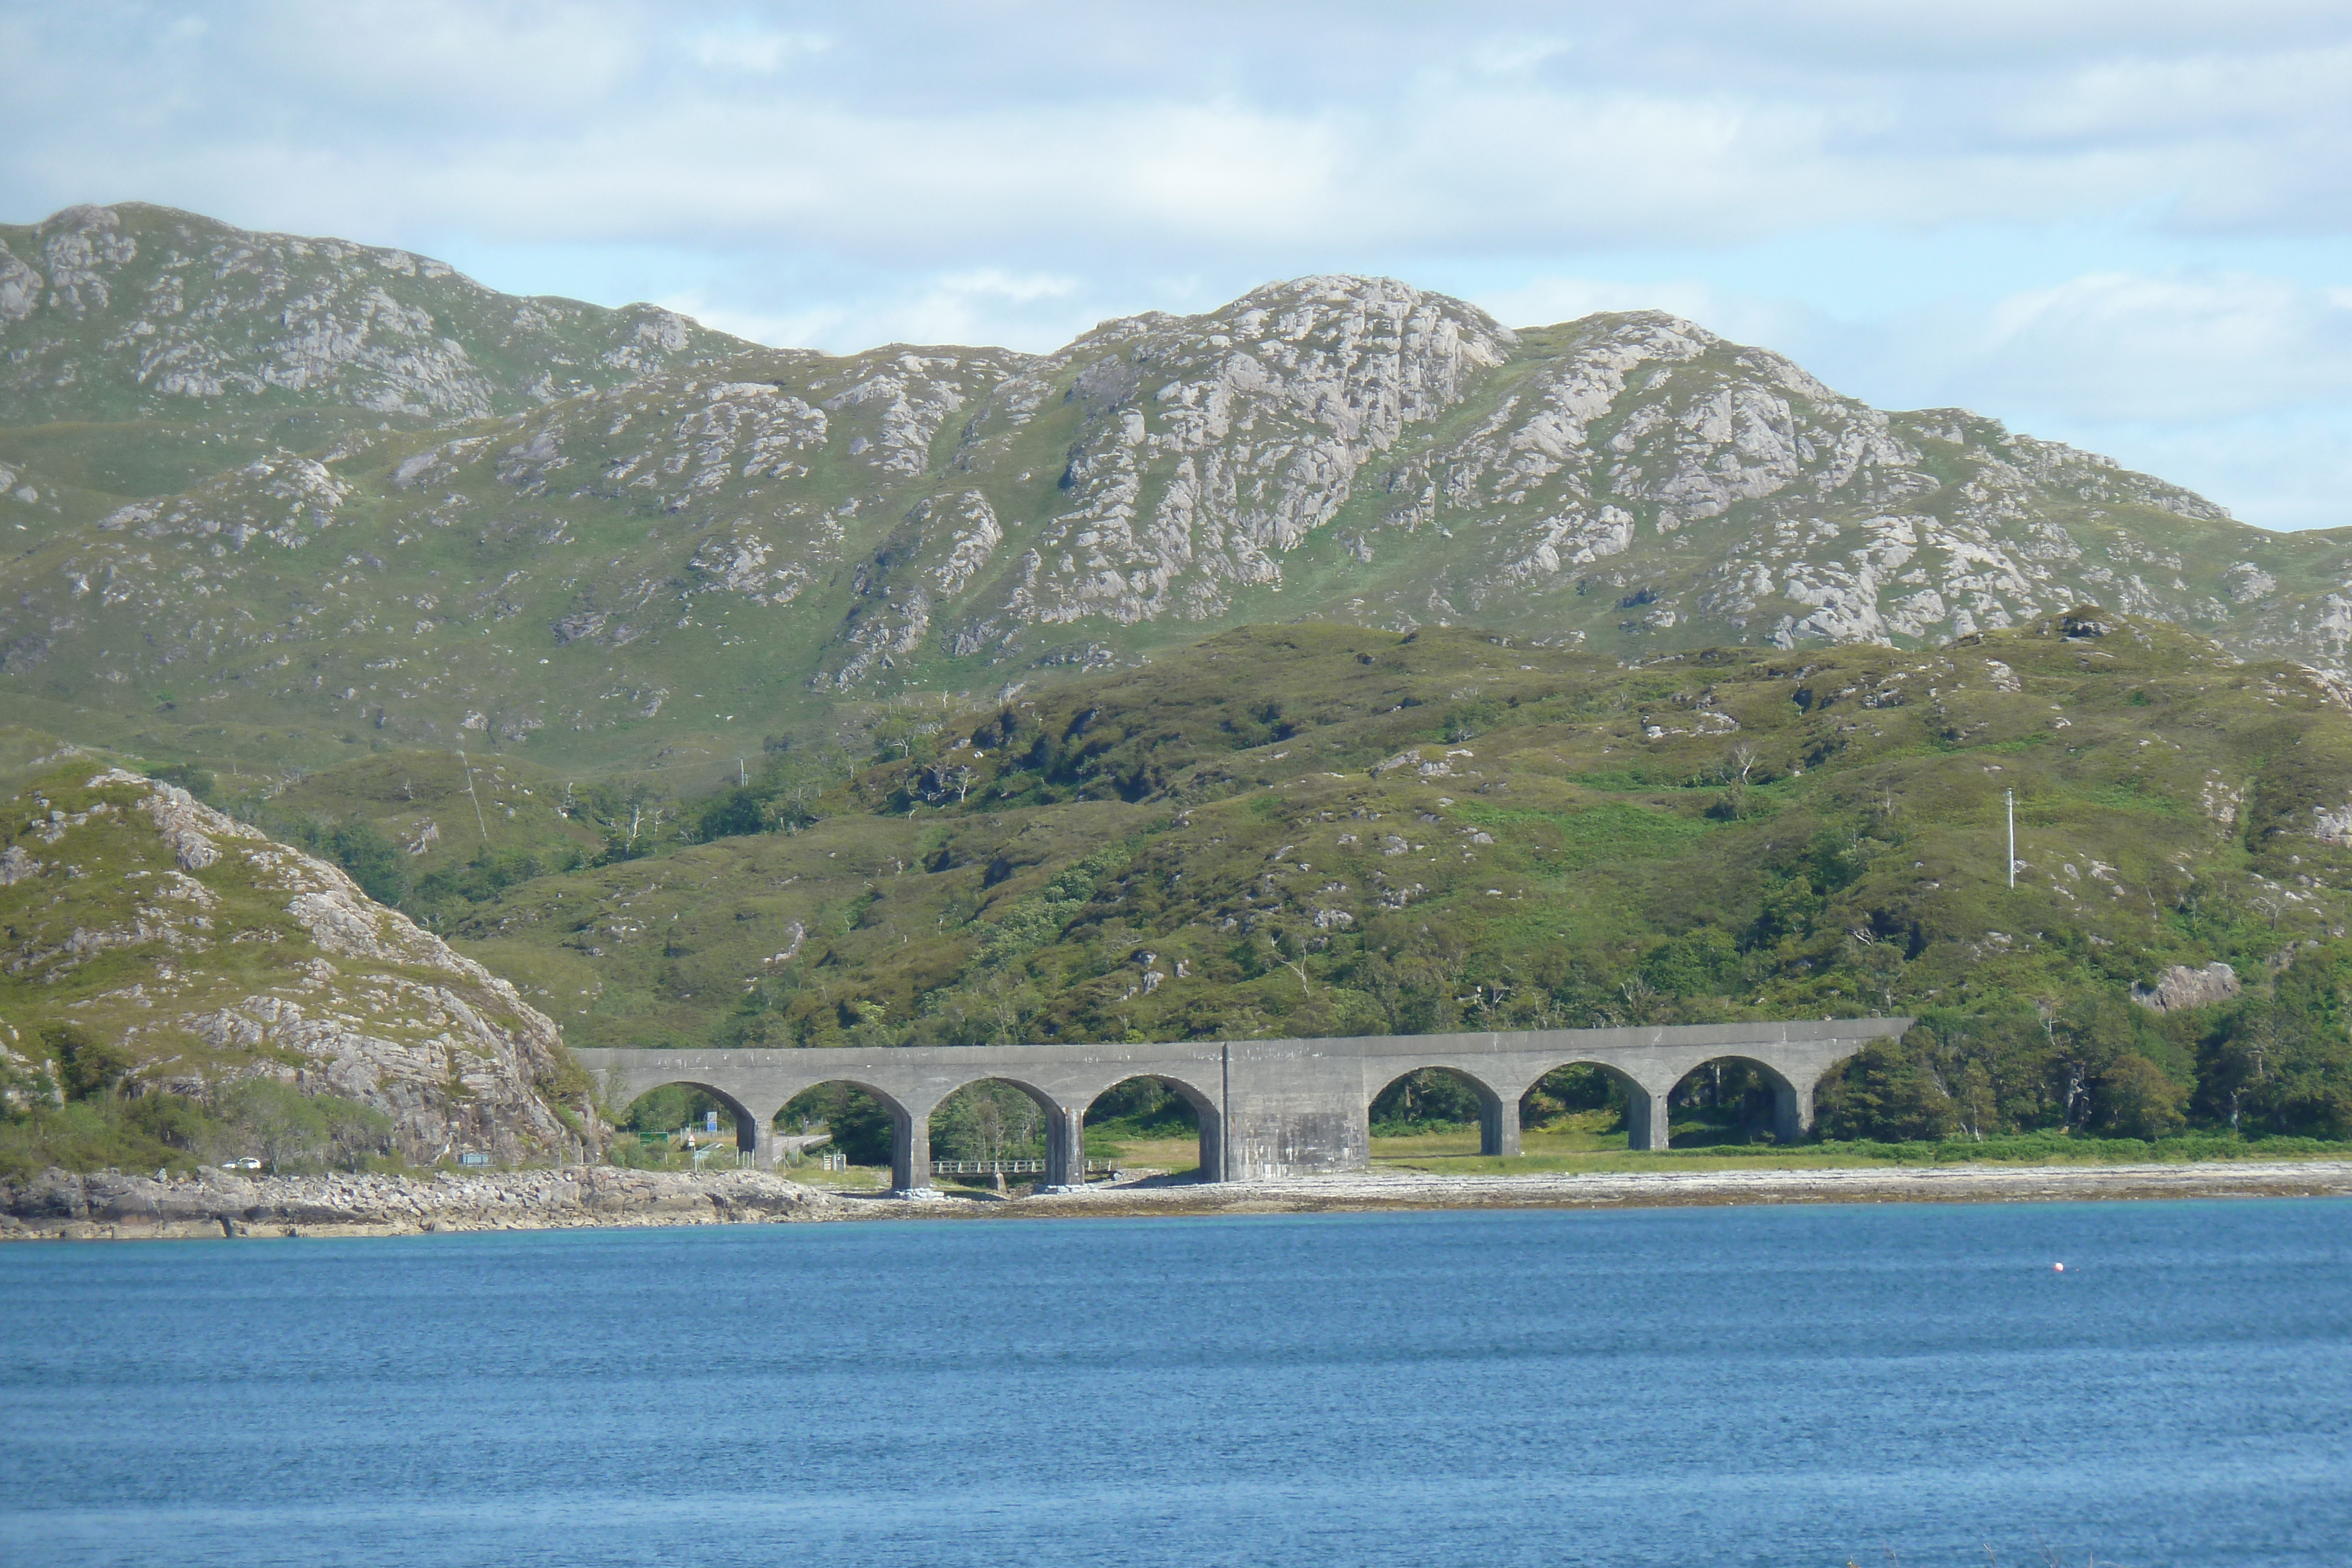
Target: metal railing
{"type": "Point", "coordinates": [1011, 1168]}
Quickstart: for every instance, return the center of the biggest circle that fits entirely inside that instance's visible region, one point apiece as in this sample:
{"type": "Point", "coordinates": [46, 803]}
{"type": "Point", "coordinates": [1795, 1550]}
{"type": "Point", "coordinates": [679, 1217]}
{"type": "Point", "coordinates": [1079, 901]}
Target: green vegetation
{"type": "Point", "coordinates": [1449, 829]}
{"type": "Point", "coordinates": [610, 541]}
{"type": "Point", "coordinates": [1724, 836]}
{"type": "Point", "coordinates": [173, 988]}
{"type": "Point", "coordinates": [1574, 1150]}
{"type": "Point", "coordinates": [90, 1113]}
{"type": "Point", "coordinates": [623, 653]}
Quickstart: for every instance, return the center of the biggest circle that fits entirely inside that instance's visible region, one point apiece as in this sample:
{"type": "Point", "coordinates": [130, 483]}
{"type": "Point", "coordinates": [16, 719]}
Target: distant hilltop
{"type": "Point", "coordinates": [307, 495]}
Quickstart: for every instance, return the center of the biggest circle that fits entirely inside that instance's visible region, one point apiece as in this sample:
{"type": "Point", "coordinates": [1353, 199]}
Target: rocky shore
{"type": "Point", "coordinates": [1638, 1189]}
{"type": "Point", "coordinates": [58, 1204]}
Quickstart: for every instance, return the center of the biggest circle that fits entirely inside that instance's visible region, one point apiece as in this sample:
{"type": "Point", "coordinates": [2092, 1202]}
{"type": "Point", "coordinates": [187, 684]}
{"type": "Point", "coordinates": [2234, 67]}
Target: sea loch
{"type": "Point", "coordinates": [1730, 1386]}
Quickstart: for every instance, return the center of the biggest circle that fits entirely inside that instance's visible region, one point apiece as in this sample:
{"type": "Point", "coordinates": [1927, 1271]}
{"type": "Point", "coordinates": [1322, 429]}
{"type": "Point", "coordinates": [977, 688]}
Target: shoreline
{"type": "Point", "coordinates": [57, 1205]}
{"type": "Point", "coordinates": [1686, 1189]}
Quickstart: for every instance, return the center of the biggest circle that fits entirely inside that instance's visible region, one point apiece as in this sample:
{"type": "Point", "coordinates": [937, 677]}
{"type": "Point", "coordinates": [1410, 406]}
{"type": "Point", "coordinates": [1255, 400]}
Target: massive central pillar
{"type": "Point", "coordinates": [1294, 1107]}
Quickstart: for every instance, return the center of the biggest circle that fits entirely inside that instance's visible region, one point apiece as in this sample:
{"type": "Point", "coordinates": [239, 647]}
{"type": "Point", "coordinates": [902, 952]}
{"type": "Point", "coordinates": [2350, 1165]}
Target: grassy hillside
{"type": "Point", "coordinates": [1312, 831]}
{"type": "Point", "coordinates": [175, 985]}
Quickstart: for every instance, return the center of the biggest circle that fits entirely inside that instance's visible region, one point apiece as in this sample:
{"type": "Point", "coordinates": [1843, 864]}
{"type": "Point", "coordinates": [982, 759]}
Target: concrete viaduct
{"type": "Point", "coordinates": [1267, 1107]}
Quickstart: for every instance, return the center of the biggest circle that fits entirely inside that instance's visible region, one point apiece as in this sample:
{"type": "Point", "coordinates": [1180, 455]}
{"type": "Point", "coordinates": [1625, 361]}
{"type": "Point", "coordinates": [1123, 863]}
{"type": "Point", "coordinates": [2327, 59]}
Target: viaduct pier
{"type": "Point", "coordinates": [1267, 1107]}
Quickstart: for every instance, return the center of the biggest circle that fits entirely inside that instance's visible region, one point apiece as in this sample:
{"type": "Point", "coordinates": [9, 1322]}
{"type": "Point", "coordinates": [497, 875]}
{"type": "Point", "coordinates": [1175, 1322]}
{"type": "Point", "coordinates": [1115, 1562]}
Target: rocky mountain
{"type": "Point", "coordinates": [148, 348]}
{"type": "Point", "coordinates": [156, 947]}
{"type": "Point", "coordinates": [624, 539]}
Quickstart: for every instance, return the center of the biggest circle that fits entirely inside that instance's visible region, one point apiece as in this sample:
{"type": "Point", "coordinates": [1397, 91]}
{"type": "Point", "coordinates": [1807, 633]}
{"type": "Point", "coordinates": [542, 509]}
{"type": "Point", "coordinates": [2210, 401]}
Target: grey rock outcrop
{"type": "Point", "coordinates": [1371, 453]}
{"type": "Point", "coordinates": [216, 1202]}
{"type": "Point", "coordinates": [190, 311]}
{"type": "Point", "coordinates": [2181, 986]}
{"type": "Point", "coordinates": [237, 957]}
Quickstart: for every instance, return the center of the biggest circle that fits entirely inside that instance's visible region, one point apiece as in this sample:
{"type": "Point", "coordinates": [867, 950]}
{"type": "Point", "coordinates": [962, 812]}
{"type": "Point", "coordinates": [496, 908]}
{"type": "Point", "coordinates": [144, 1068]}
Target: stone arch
{"type": "Point", "coordinates": [1791, 1107]}
{"type": "Point", "coordinates": [748, 1126]}
{"type": "Point", "coordinates": [892, 1106]}
{"type": "Point", "coordinates": [1065, 1151]}
{"type": "Point", "coordinates": [1645, 1109]}
{"type": "Point", "coordinates": [1498, 1121]}
{"type": "Point", "coordinates": [1210, 1118]}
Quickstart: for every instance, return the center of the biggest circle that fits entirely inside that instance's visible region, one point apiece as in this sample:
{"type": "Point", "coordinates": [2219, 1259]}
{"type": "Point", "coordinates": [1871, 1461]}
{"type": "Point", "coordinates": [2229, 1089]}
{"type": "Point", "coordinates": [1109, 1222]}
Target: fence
{"type": "Point", "coordinates": [1012, 1168]}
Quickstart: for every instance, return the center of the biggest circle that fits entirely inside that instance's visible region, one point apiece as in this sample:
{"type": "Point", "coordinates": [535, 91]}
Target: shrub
{"type": "Point", "coordinates": [196, 781]}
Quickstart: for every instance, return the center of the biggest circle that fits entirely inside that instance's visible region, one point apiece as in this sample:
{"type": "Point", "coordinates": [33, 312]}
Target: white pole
{"type": "Point", "coordinates": [476, 800]}
{"type": "Point", "coordinates": [2010, 795]}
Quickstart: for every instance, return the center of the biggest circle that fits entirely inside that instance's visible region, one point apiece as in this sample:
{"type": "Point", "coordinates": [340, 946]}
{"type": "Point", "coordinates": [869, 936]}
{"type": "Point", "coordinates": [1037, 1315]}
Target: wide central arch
{"type": "Point", "coordinates": [1578, 1086]}
{"type": "Point", "coordinates": [1064, 1137]}
{"type": "Point", "coordinates": [861, 1122]}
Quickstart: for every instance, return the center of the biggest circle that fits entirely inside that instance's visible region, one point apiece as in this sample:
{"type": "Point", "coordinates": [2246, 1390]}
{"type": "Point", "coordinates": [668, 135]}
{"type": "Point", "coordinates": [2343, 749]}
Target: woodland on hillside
{"type": "Point", "coordinates": [1318, 831]}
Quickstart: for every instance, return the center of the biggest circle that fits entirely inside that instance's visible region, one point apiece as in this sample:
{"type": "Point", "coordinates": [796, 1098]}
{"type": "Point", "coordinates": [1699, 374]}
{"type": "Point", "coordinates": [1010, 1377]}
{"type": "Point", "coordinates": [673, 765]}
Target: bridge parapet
{"type": "Point", "coordinates": [1267, 1107]}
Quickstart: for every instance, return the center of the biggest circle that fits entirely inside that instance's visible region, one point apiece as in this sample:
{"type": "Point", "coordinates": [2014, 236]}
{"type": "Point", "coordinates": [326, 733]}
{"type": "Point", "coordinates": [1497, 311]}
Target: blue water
{"type": "Point", "coordinates": [1686, 1386]}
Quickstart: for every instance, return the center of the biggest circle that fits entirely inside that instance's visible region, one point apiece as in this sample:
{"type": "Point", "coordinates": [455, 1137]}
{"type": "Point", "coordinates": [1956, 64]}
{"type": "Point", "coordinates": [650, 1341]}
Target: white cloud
{"type": "Point", "coordinates": [1055, 127]}
{"type": "Point", "coordinates": [2172, 349]}
{"type": "Point", "coordinates": [1510, 54]}
{"type": "Point", "coordinates": [753, 51]}
{"type": "Point", "coordinates": [1031, 312]}
{"type": "Point", "coordinates": [2238, 386]}
{"type": "Point", "coordinates": [2177, 348]}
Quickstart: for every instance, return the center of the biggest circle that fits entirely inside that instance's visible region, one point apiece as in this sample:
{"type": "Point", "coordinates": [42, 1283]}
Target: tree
{"type": "Point", "coordinates": [2138, 1100]}
{"type": "Point", "coordinates": [1787, 912]}
{"type": "Point", "coordinates": [988, 1120]}
{"type": "Point", "coordinates": [1430, 1097]}
{"type": "Point", "coordinates": [1700, 963]}
{"type": "Point", "coordinates": [1737, 770]}
{"type": "Point", "coordinates": [901, 728]}
{"type": "Point", "coordinates": [862, 1128]}
{"type": "Point", "coordinates": [2281, 1065]}
{"type": "Point", "coordinates": [285, 1124]}
{"type": "Point", "coordinates": [87, 1068]}
{"type": "Point", "coordinates": [2086, 1037]}
{"type": "Point", "coordinates": [196, 781]}
{"type": "Point", "coordinates": [379, 865]}
{"type": "Point", "coordinates": [1890, 1091]}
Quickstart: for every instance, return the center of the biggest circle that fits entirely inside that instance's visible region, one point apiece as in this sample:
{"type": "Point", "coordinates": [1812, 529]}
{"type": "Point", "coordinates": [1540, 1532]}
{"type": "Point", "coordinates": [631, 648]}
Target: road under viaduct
{"type": "Point", "coordinates": [1267, 1107]}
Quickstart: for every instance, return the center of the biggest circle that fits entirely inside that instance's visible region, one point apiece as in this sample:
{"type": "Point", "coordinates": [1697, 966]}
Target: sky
{"type": "Point", "coordinates": [2125, 225]}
